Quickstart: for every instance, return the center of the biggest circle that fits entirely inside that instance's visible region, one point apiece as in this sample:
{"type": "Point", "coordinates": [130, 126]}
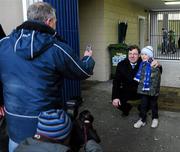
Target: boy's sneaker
{"type": "Point", "coordinates": [139, 124]}
{"type": "Point", "coordinates": [154, 123]}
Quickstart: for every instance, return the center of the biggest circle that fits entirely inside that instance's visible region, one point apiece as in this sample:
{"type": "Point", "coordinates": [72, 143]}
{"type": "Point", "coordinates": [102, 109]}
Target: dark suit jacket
{"type": "Point", "coordinates": [124, 85]}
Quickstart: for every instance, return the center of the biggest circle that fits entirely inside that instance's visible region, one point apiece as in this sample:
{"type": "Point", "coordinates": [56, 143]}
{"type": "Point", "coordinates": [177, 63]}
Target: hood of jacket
{"type": "Point", "coordinates": [32, 38]}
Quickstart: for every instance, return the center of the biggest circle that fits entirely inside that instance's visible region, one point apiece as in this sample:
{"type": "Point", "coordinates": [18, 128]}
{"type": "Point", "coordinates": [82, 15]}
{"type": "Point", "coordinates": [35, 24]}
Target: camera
{"type": "Point", "coordinates": [85, 117]}
{"type": "Point", "coordinates": [72, 106]}
{"type": "Point", "coordinates": [85, 122]}
{"type": "Point", "coordinates": [89, 47]}
{"type": "Point", "coordinates": [83, 131]}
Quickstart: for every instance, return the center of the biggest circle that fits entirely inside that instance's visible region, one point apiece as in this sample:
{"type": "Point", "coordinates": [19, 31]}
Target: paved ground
{"type": "Point", "coordinates": [117, 133]}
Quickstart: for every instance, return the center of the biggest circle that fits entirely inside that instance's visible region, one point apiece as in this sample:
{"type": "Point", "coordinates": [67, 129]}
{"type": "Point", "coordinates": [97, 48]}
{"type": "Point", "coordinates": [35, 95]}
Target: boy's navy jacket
{"type": "Point", "coordinates": [33, 63]}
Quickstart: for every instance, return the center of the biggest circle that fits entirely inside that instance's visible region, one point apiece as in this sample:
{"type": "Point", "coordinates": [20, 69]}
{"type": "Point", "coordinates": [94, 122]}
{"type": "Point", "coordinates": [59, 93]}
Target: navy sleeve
{"type": "Point", "coordinates": [70, 65]}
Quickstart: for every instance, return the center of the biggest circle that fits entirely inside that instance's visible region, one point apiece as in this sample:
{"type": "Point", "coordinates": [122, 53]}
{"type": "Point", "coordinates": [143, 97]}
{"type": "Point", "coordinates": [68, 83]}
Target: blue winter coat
{"type": "Point", "coordinates": [33, 64]}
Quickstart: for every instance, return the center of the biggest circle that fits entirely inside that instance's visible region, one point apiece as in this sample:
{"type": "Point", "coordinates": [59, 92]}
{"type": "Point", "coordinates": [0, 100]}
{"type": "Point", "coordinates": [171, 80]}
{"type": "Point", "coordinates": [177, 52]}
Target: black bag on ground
{"type": "Point", "coordinates": [83, 131]}
{"type": "Point", "coordinates": [72, 106]}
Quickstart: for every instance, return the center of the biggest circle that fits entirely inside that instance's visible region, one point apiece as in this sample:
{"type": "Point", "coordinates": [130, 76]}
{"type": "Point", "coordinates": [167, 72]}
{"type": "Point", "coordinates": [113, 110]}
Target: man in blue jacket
{"type": "Point", "coordinates": [33, 64]}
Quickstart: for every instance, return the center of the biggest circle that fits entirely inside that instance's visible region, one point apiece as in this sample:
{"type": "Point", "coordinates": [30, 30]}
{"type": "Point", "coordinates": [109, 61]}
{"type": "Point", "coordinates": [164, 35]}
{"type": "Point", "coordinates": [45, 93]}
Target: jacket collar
{"type": "Point", "coordinates": [41, 27]}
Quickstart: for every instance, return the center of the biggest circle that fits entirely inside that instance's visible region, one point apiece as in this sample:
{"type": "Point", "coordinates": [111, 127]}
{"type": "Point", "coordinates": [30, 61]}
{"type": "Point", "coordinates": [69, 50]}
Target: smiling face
{"type": "Point", "coordinates": [133, 55]}
{"type": "Point", "coordinates": [144, 57]}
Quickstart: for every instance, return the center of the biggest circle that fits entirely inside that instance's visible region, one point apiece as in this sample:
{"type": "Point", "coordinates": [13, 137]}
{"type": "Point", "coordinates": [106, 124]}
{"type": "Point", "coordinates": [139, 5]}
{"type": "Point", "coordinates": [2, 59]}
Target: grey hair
{"type": "Point", "coordinates": [40, 11]}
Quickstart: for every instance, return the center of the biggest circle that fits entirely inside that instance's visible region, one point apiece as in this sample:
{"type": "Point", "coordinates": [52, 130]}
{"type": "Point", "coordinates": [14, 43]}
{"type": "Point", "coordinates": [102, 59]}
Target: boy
{"type": "Point", "coordinates": [149, 86]}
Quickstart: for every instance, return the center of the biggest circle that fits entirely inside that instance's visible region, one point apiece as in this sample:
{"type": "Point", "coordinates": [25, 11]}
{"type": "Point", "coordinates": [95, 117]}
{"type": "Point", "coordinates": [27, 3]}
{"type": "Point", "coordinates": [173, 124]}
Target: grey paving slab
{"type": "Point", "coordinates": [117, 132]}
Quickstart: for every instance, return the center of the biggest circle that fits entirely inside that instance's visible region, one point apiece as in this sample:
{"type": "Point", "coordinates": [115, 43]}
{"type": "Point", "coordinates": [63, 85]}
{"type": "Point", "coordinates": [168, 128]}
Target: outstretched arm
{"type": "Point", "coordinates": [71, 66]}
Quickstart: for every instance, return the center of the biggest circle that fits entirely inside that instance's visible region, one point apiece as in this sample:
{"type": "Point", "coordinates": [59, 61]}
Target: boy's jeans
{"type": "Point", "coordinates": [12, 145]}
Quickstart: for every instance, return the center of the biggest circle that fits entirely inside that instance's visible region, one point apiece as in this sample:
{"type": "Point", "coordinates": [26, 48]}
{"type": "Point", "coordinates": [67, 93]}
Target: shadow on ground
{"type": "Point", "coordinates": [117, 133]}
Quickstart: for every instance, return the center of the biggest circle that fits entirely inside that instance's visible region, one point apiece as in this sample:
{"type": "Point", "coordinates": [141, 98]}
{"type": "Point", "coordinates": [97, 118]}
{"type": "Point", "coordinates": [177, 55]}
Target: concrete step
{"type": "Point", "coordinates": [169, 98]}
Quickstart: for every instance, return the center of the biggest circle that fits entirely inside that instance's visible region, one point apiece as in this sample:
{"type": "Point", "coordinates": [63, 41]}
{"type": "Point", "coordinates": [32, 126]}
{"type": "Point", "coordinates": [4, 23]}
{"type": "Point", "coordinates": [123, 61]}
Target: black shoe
{"type": "Point", "coordinates": [125, 114]}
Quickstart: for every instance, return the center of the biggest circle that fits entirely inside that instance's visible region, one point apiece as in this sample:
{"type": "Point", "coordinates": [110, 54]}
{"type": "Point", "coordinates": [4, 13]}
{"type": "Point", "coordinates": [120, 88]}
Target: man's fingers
{"type": "Point", "coordinates": [116, 103]}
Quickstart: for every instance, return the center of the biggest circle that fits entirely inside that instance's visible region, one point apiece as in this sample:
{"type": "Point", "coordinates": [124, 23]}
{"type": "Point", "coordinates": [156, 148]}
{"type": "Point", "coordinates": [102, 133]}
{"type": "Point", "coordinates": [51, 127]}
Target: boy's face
{"type": "Point", "coordinates": [133, 56]}
{"type": "Point", "coordinates": [144, 57]}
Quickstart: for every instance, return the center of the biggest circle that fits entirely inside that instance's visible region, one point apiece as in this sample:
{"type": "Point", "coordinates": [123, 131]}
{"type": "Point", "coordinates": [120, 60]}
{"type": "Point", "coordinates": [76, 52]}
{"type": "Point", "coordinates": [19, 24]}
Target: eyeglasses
{"type": "Point", "coordinates": [133, 54]}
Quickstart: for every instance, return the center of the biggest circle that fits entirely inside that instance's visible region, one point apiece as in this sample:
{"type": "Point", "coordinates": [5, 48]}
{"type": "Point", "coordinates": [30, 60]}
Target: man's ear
{"type": "Point", "coordinates": [51, 22]}
{"type": "Point", "coordinates": [48, 21]}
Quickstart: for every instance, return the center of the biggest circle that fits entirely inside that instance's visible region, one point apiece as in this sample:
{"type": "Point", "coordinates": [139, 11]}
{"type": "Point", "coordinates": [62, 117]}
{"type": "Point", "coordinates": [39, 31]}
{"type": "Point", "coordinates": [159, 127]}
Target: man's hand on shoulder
{"type": "Point", "coordinates": [155, 63]}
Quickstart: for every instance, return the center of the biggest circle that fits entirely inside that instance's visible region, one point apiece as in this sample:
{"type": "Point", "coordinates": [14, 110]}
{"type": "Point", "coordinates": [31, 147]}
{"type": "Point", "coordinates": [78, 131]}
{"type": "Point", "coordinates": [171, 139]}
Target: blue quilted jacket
{"type": "Point", "coordinates": [33, 64]}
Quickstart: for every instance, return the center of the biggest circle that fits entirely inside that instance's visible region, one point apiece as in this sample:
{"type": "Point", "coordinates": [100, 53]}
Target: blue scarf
{"type": "Point", "coordinates": [147, 75]}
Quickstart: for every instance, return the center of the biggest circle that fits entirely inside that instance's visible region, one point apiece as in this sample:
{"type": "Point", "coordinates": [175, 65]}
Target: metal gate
{"type": "Point", "coordinates": [68, 28]}
{"type": "Point", "coordinates": [165, 34]}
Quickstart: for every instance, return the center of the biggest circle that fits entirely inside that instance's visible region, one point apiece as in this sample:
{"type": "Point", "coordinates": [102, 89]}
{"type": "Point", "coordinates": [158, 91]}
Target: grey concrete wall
{"type": "Point", "coordinates": [11, 14]}
{"type": "Point", "coordinates": [171, 73]}
{"type": "Point", "coordinates": [91, 16]}
{"type": "Point", "coordinates": [99, 26]}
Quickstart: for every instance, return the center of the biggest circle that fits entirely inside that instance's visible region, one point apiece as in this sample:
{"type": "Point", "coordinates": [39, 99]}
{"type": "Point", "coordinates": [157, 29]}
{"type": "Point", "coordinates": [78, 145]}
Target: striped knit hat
{"type": "Point", "coordinates": [54, 124]}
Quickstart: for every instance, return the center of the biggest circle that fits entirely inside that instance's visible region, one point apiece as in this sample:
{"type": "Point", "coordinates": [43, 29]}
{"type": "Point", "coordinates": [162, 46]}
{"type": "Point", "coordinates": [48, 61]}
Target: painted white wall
{"type": "Point", "coordinates": [25, 5]}
{"type": "Point", "coordinates": [11, 14]}
{"type": "Point", "coordinates": [99, 26]}
{"type": "Point", "coordinates": [171, 73]}
{"type": "Point", "coordinates": [91, 14]}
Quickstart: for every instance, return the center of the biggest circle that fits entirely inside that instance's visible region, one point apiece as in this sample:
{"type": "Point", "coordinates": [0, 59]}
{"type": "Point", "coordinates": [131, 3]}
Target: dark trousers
{"type": "Point", "coordinates": [148, 100]}
{"type": "Point", "coordinates": [125, 106]}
